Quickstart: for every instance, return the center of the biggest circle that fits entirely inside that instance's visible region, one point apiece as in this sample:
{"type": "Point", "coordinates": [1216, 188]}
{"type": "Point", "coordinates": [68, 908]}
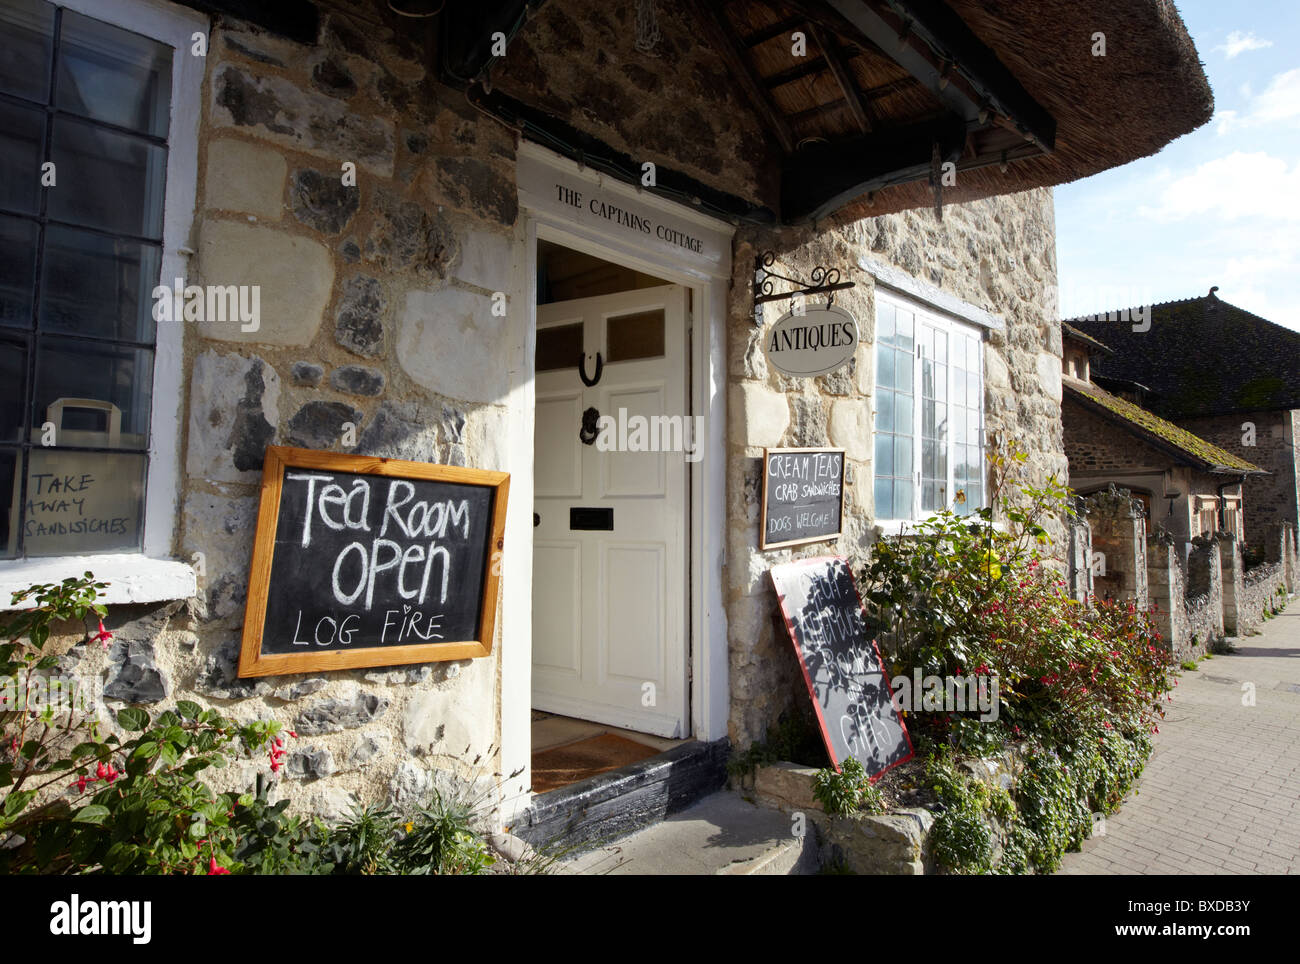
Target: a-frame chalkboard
{"type": "Point", "coordinates": [843, 669]}
{"type": "Point", "coordinates": [364, 561]}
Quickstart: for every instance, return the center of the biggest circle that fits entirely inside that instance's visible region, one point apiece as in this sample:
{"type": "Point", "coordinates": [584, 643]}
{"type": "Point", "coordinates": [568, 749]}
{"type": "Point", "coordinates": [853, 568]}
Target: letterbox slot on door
{"type": "Point", "coordinates": [591, 518]}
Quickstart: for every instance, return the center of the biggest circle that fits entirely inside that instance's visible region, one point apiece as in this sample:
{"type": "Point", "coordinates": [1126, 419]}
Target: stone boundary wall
{"type": "Point", "coordinates": [1263, 592]}
{"type": "Point", "coordinates": [1198, 591]}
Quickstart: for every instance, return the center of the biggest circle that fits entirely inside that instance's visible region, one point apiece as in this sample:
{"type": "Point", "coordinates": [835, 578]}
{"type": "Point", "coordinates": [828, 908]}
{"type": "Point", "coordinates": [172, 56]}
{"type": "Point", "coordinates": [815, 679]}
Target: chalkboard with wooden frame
{"type": "Point", "coordinates": [363, 561]}
{"type": "Point", "coordinates": [803, 496]}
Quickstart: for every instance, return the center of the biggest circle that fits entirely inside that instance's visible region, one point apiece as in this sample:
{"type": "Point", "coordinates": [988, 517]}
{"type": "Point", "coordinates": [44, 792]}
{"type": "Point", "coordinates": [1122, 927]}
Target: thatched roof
{"type": "Point", "coordinates": [1149, 89]}
{"type": "Point", "coordinates": [853, 125]}
{"type": "Point", "coordinates": [1202, 356]}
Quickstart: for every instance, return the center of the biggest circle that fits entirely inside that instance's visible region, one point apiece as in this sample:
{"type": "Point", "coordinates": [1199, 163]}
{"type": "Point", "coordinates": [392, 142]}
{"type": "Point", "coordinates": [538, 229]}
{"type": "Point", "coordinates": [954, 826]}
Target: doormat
{"type": "Point", "coordinates": [563, 765]}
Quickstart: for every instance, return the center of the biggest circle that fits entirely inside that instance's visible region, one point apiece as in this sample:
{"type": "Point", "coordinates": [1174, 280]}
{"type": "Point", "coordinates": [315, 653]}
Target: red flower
{"type": "Point", "coordinates": [214, 870]}
{"type": "Point", "coordinates": [103, 636]}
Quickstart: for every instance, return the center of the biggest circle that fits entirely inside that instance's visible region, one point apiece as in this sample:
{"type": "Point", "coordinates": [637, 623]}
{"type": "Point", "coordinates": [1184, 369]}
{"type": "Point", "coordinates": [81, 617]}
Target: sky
{"type": "Point", "coordinates": [1219, 206]}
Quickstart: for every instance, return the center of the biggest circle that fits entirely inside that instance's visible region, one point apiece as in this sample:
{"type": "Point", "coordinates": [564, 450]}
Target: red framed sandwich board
{"type": "Point", "coordinates": [842, 668]}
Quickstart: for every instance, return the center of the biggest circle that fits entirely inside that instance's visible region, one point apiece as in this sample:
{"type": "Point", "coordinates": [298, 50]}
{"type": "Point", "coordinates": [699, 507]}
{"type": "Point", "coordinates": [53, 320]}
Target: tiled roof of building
{"type": "Point", "coordinates": [1201, 356]}
{"type": "Point", "coordinates": [1153, 428]}
{"type": "Point", "coordinates": [1071, 332]}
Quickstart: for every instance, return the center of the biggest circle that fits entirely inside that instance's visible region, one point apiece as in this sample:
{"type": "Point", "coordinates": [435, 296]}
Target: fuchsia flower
{"type": "Point", "coordinates": [103, 636]}
{"type": "Point", "coordinates": [277, 751]}
{"type": "Point", "coordinates": [215, 870]}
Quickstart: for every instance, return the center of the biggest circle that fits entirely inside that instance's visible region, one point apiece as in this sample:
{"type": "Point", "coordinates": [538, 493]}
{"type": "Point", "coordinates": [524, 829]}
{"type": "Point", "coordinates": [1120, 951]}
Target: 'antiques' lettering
{"type": "Point", "coordinates": [799, 338]}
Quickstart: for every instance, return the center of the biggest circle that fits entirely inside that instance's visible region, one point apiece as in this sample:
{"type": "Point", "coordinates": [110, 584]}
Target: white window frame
{"type": "Point", "coordinates": [942, 321]}
{"type": "Point", "coordinates": [150, 575]}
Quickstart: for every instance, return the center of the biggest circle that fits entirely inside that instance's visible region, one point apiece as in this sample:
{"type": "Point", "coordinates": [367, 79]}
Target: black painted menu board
{"type": "Point", "coordinates": [364, 561]}
{"type": "Point", "coordinates": [803, 496]}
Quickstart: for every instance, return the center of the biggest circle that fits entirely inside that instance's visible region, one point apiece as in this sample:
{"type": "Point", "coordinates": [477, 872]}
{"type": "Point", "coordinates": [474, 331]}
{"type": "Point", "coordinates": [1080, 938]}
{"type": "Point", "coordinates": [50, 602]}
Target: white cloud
{"type": "Point", "coordinates": [1280, 100]}
{"type": "Point", "coordinates": [1239, 43]}
{"type": "Point", "coordinates": [1278, 103]}
{"type": "Point", "coordinates": [1232, 188]}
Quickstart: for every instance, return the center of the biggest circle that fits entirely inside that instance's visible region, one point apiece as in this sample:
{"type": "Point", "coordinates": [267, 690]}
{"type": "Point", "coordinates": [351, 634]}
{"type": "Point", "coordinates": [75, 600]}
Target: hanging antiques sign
{"type": "Point", "coordinates": [816, 341]}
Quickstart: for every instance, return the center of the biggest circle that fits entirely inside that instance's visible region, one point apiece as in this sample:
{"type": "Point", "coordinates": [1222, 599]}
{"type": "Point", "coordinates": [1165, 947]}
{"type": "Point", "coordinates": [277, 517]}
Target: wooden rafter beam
{"type": "Point", "coordinates": [808, 67]}
{"type": "Point", "coordinates": [822, 178]}
{"type": "Point", "coordinates": [844, 77]}
{"type": "Point", "coordinates": [722, 39]}
{"type": "Point", "coordinates": [781, 28]}
{"type": "Point", "coordinates": [932, 43]}
{"type": "Point", "coordinates": [949, 35]}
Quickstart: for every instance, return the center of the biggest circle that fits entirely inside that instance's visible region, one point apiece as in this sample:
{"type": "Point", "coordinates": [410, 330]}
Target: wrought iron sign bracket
{"type": "Point", "coordinates": [824, 280]}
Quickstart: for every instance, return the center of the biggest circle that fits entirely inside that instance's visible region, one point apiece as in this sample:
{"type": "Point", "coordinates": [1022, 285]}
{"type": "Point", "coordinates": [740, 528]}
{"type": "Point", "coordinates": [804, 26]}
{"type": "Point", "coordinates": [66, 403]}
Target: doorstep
{"type": "Point", "coordinates": [603, 808]}
{"type": "Point", "coordinates": [724, 833]}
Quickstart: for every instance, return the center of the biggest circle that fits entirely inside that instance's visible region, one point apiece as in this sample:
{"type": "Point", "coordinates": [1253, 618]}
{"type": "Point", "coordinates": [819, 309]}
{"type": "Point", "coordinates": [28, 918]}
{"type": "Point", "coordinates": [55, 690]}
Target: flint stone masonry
{"type": "Point", "coordinates": [335, 715]}
{"type": "Point", "coordinates": [332, 78]}
{"type": "Point", "coordinates": [312, 763]}
{"type": "Point", "coordinates": [358, 380]}
{"type": "Point", "coordinates": [294, 276]}
{"type": "Point", "coordinates": [370, 747]}
{"type": "Point", "coordinates": [450, 342]}
{"type": "Point", "coordinates": [407, 236]}
{"type": "Point", "coordinates": [138, 678]}
{"type": "Point", "coordinates": [307, 374]}
{"type": "Point", "coordinates": [277, 110]}
{"type": "Point", "coordinates": [359, 326]}
{"type": "Point", "coordinates": [320, 425]}
{"type": "Point", "coordinates": [218, 675]}
{"type": "Point", "coordinates": [478, 186]}
{"type": "Point", "coordinates": [401, 430]}
{"type": "Point", "coordinates": [232, 416]}
{"type": "Point", "coordinates": [296, 691]}
{"type": "Point", "coordinates": [245, 177]}
{"type": "Point", "coordinates": [1204, 593]}
{"type": "Point", "coordinates": [322, 201]}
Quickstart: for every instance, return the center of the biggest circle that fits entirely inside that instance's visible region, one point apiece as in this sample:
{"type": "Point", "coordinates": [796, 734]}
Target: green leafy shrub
{"type": "Point", "coordinates": [77, 799]}
{"type": "Point", "coordinates": [960, 596]}
{"type": "Point", "coordinates": [847, 791]}
{"type": "Point", "coordinates": [962, 842]}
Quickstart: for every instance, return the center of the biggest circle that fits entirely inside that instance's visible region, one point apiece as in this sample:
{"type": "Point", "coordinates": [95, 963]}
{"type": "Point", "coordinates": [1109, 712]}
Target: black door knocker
{"type": "Point", "coordinates": [582, 369]}
{"type": "Point", "coordinates": [589, 431]}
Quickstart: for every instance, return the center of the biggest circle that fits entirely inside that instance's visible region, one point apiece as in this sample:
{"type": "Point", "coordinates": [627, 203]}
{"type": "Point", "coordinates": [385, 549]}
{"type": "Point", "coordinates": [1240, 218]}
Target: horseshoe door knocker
{"type": "Point", "coordinates": [582, 369]}
{"type": "Point", "coordinates": [589, 430]}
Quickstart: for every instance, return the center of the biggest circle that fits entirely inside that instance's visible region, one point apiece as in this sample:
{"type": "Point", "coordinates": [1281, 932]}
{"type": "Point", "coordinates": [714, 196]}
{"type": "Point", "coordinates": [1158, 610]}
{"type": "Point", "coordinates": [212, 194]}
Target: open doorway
{"type": "Point", "coordinates": [611, 517]}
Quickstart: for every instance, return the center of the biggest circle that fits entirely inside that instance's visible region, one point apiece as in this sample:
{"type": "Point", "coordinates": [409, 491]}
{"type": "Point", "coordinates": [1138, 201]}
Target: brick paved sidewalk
{"type": "Point", "coordinates": [1221, 794]}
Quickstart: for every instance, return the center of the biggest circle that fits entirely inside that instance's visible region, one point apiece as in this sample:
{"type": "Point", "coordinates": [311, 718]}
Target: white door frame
{"type": "Point", "coordinates": [706, 616]}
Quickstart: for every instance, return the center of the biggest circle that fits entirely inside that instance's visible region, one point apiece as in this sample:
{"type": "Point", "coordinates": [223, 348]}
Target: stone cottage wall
{"type": "Point", "coordinates": [376, 337]}
{"type": "Point", "coordinates": [1267, 499]}
{"type": "Point", "coordinates": [996, 254]}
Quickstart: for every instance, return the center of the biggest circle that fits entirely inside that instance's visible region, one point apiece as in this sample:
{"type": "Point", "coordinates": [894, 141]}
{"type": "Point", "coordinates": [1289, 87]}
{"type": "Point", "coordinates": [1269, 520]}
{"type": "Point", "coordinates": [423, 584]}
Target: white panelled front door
{"type": "Point", "coordinates": [609, 579]}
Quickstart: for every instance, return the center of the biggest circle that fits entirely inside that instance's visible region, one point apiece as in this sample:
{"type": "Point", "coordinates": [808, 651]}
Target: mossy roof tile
{"type": "Point", "coordinates": [1152, 426]}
